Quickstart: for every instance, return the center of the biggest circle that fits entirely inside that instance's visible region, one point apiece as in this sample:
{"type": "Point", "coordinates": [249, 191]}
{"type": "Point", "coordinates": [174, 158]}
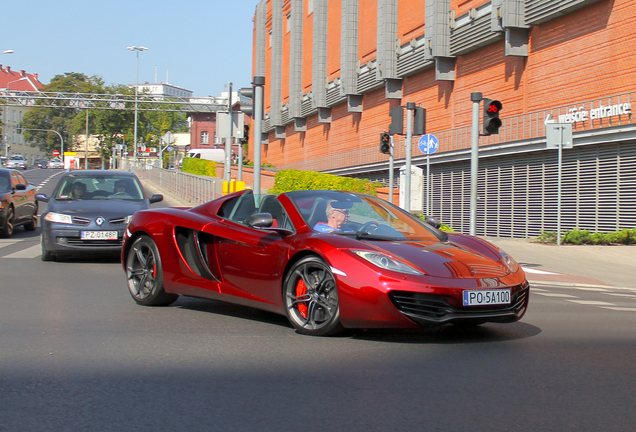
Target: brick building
{"type": "Point", "coordinates": [12, 141]}
{"type": "Point", "coordinates": [334, 68]}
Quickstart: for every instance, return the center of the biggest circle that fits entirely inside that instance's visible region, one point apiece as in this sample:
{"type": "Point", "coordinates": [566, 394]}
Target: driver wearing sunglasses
{"type": "Point", "coordinates": [337, 217]}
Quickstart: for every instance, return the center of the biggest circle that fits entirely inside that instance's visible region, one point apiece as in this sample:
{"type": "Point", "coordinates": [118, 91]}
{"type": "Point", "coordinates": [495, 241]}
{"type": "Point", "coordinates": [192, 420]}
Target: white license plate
{"type": "Point", "coordinates": [486, 297]}
{"type": "Point", "coordinates": [99, 235]}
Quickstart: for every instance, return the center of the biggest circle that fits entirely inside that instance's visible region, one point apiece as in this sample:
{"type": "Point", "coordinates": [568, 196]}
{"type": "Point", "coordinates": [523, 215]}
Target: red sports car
{"type": "Point", "coordinates": [328, 260]}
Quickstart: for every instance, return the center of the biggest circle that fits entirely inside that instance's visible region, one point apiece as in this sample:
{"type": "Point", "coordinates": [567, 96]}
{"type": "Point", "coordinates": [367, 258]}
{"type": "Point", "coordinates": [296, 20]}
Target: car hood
{"type": "Point", "coordinates": [105, 208]}
{"type": "Point", "coordinates": [444, 259]}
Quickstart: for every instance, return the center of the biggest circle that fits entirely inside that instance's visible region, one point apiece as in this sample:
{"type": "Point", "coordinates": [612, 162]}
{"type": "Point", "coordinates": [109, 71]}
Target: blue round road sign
{"type": "Point", "coordinates": [428, 144]}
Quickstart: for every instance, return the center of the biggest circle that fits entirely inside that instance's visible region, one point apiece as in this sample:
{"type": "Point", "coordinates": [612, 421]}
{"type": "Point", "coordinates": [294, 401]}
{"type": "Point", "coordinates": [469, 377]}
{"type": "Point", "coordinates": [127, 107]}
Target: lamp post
{"type": "Point", "coordinates": [137, 49]}
{"type": "Point", "coordinates": [6, 115]}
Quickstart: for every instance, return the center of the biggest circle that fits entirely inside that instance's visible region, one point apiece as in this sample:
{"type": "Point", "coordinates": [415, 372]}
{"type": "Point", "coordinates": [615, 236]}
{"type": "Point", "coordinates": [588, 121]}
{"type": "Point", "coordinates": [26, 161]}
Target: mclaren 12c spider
{"type": "Point", "coordinates": [328, 260]}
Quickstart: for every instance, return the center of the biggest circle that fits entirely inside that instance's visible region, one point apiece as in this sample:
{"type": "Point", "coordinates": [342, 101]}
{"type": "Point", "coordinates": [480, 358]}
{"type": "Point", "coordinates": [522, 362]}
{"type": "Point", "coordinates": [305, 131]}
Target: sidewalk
{"type": "Point", "coordinates": [565, 264]}
{"type": "Point", "coordinates": [584, 265]}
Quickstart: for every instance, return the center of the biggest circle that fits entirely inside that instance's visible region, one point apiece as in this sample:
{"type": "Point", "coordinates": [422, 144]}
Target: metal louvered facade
{"type": "Point", "coordinates": [517, 194]}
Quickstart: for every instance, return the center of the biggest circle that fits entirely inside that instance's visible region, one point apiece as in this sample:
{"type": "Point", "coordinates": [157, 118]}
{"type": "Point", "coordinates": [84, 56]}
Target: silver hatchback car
{"type": "Point", "coordinates": [17, 161]}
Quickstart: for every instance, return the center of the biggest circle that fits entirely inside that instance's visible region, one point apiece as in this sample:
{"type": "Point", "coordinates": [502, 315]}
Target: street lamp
{"type": "Point", "coordinates": [6, 117]}
{"type": "Point", "coordinates": [137, 49]}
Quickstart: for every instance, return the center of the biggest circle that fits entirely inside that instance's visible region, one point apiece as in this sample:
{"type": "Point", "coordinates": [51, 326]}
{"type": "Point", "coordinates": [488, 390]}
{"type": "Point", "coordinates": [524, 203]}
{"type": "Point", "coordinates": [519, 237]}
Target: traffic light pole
{"type": "Point", "coordinates": [391, 154]}
{"type": "Point", "coordinates": [228, 143]}
{"type": "Point", "coordinates": [259, 83]}
{"type": "Point", "coordinates": [410, 107]}
{"type": "Point", "coordinates": [474, 161]}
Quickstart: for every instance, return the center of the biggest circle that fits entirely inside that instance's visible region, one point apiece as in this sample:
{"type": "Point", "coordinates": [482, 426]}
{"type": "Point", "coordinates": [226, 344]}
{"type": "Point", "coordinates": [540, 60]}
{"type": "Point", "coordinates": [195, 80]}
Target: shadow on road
{"type": "Point", "coordinates": [445, 334]}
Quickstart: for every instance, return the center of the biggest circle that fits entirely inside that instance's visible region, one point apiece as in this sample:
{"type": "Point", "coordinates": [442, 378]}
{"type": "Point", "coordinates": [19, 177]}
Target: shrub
{"type": "Point", "coordinates": [198, 167]}
{"type": "Point", "coordinates": [442, 227]}
{"type": "Point", "coordinates": [292, 180]}
{"type": "Point", "coordinates": [547, 237]}
{"type": "Point", "coordinates": [577, 237]}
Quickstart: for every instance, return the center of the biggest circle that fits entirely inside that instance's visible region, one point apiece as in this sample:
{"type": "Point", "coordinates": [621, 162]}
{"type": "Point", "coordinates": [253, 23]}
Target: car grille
{"type": "Point", "coordinates": [78, 242]}
{"type": "Point", "coordinates": [434, 308]}
{"type": "Point", "coordinates": [81, 220]}
{"type": "Point", "coordinates": [117, 221]}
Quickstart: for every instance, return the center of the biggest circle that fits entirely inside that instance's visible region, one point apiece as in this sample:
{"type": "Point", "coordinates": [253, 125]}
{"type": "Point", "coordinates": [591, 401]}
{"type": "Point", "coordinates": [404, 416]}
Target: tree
{"type": "Point", "coordinates": [58, 119]}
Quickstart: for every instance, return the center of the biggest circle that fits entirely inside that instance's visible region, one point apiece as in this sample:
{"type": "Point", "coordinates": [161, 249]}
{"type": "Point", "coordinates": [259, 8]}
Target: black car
{"type": "Point", "coordinates": [89, 211]}
{"type": "Point", "coordinates": [41, 163]}
{"type": "Point", "coordinates": [19, 206]}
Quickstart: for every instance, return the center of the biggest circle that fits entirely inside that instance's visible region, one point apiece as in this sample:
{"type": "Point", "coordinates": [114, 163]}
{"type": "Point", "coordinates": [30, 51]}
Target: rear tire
{"type": "Point", "coordinates": [33, 223]}
{"type": "Point", "coordinates": [7, 230]}
{"type": "Point", "coordinates": [145, 274]}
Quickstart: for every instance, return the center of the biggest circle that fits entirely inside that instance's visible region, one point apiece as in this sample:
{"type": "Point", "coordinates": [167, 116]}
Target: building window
{"type": "Point", "coordinates": [204, 138]}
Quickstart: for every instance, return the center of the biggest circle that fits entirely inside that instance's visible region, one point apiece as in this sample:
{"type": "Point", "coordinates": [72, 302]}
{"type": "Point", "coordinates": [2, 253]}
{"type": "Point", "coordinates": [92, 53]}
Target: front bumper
{"type": "Point", "coordinates": [68, 240]}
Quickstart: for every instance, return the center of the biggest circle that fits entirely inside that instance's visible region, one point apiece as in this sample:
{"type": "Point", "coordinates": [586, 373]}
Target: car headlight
{"type": "Point", "coordinates": [386, 262]}
{"type": "Point", "coordinates": [509, 262]}
{"type": "Point", "coordinates": [58, 218]}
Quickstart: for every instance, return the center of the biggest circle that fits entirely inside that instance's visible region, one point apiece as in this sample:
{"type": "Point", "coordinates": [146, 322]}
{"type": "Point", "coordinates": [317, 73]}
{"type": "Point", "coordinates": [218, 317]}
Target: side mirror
{"type": "Point", "coordinates": [260, 220]}
{"type": "Point", "coordinates": [20, 186]}
{"type": "Point", "coordinates": [42, 197]}
{"type": "Point", "coordinates": [156, 198]}
{"type": "Point", "coordinates": [433, 222]}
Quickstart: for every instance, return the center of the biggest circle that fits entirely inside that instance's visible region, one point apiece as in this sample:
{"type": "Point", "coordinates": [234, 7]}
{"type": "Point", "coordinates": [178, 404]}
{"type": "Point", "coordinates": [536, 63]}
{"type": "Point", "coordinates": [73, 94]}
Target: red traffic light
{"type": "Point", "coordinates": [491, 122]}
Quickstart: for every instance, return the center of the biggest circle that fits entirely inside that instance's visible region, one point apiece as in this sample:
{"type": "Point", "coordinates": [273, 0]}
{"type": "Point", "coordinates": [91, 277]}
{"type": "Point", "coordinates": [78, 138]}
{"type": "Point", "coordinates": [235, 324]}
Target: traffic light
{"type": "Point", "coordinates": [385, 143]}
{"type": "Point", "coordinates": [397, 120]}
{"type": "Point", "coordinates": [419, 121]}
{"type": "Point", "coordinates": [491, 123]}
{"type": "Point", "coordinates": [249, 94]}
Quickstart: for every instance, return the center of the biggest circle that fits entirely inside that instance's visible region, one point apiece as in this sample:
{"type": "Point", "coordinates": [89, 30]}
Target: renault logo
{"type": "Point", "coordinates": [100, 220]}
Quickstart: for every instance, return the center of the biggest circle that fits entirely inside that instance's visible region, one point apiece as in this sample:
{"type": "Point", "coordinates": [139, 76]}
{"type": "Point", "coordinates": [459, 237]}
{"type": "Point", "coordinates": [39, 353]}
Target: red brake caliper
{"type": "Point", "coordinates": [301, 290]}
{"type": "Point", "coordinates": [154, 271]}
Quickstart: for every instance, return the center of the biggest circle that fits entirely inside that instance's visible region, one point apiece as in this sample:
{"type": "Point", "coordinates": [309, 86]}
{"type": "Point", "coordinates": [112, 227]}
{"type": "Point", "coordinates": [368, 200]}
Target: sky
{"type": "Point", "coordinates": [199, 45]}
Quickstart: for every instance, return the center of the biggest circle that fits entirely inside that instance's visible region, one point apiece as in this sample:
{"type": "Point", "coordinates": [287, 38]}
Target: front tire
{"type": "Point", "coordinates": [311, 298]}
{"type": "Point", "coordinates": [145, 274]}
{"type": "Point", "coordinates": [46, 255]}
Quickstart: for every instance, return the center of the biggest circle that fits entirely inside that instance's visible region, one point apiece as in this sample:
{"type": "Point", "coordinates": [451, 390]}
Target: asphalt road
{"type": "Point", "coordinates": [77, 354]}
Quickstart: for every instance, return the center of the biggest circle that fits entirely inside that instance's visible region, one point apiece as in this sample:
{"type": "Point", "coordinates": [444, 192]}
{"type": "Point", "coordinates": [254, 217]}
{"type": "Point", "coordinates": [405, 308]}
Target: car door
{"type": "Point", "coordinates": [251, 260]}
{"type": "Point", "coordinates": [23, 200]}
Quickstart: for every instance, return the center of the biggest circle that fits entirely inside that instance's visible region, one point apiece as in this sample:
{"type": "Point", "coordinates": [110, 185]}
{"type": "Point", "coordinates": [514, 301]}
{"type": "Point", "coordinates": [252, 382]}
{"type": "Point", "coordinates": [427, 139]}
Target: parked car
{"type": "Point", "coordinates": [18, 204]}
{"type": "Point", "coordinates": [89, 210]}
{"type": "Point", "coordinates": [41, 163]}
{"type": "Point", "coordinates": [56, 163]}
{"type": "Point", "coordinates": [17, 161]}
{"type": "Point", "coordinates": [327, 260]}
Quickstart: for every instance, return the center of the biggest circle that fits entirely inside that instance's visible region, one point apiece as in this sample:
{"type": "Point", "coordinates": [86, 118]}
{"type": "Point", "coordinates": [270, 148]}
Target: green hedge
{"type": "Point", "coordinates": [579, 237]}
{"type": "Point", "coordinates": [198, 167]}
{"type": "Point", "coordinates": [292, 180]}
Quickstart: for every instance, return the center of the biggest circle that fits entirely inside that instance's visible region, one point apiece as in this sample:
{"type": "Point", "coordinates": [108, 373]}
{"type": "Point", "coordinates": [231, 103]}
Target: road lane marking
{"type": "Point", "coordinates": [620, 309]}
{"type": "Point", "coordinates": [592, 302]}
{"type": "Point", "coordinates": [537, 271]}
{"type": "Point", "coordinates": [5, 243]}
{"type": "Point", "coordinates": [32, 252]}
{"type": "Point", "coordinates": [556, 295]}
{"type": "Point", "coordinates": [538, 289]}
{"type": "Point", "coordinates": [631, 296]}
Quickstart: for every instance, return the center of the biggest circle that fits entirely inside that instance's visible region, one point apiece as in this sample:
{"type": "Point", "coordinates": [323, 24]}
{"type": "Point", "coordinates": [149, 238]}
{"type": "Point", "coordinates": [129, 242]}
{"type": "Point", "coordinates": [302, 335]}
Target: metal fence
{"type": "Point", "coordinates": [192, 188]}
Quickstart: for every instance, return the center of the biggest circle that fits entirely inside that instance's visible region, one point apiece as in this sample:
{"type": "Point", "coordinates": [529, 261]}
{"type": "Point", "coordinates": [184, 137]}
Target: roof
{"type": "Point", "coordinates": [18, 80]}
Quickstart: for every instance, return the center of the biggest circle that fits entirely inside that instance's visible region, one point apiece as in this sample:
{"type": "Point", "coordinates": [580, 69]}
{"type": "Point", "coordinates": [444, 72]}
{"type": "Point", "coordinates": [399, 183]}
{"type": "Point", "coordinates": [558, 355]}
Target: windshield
{"type": "Point", "coordinates": [17, 157]}
{"type": "Point", "coordinates": [362, 216]}
{"type": "Point", "coordinates": [99, 187]}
